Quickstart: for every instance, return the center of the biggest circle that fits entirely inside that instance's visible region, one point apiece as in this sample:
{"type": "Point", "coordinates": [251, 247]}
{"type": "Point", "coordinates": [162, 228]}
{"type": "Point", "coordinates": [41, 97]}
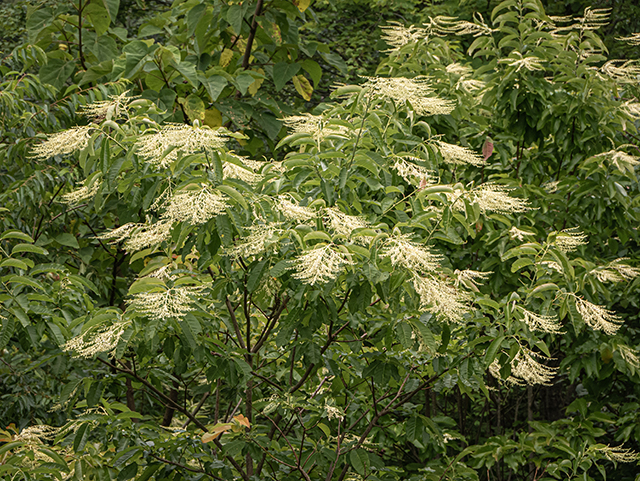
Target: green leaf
{"type": "Point", "coordinates": [146, 284]}
{"type": "Point", "coordinates": [27, 281]}
{"type": "Point", "coordinates": [112, 7]}
{"type": "Point", "coordinates": [8, 326]}
{"type": "Point", "coordinates": [404, 332]}
{"type": "Point", "coordinates": [34, 249]}
{"type": "Point", "coordinates": [214, 85]}
{"type": "Point", "coordinates": [56, 72]}
{"type": "Point", "coordinates": [336, 61]}
{"type": "Point", "coordinates": [359, 460]}
{"type": "Point", "coordinates": [234, 16]}
{"type": "Point", "coordinates": [147, 473]}
{"type": "Point", "coordinates": [16, 234]}
{"type": "Point", "coordinates": [520, 263]}
{"type": "Point", "coordinates": [68, 240]}
{"type": "Point", "coordinates": [492, 350]}
{"type": "Point", "coordinates": [189, 336]}
{"type": "Point", "coordinates": [283, 72]}
{"type": "Point", "coordinates": [80, 439]}
{"type": "Point", "coordinates": [313, 69]}
{"type": "Point", "coordinates": [129, 472]}
{"type": "Point", "coordinates": [253, 281]}
{"type": "Point", "coordinates": [17, 263]}
{"type": "Point", "coordinates": [234, 194]}
{"type": "Point", "coordinates": [99, 17]}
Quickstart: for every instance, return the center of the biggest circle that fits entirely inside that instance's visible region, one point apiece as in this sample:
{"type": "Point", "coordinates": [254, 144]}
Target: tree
{"type": "Point", "coordinates": [318, 316]}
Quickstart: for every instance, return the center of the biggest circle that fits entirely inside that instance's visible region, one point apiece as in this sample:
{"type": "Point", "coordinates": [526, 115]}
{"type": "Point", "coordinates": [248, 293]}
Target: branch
{"type": "Point", "coordinates": [235, 322]}
{"type": "Point", "coordinates": [182, 466]}
{"type": "Point", "coordinates": [252, 35]}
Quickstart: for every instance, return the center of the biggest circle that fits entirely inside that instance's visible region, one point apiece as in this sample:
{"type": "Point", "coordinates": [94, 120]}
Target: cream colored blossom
{"type": "Point", "coordinates": [495, 198]}
{"type": "Point", "coordinates": [65, 142]}
{"type": "Point", "coordinates": [320, 265]}
{"type": "Point", "coordinates": [86, 192]}
{"type": "Point", "coordinates": [413, 173]}
{"type": "Point", "coordinates": [470, 278]}
{"type": "Point", "coordinates": [120, 233]}
{"type": "Point", "coordinates": [530, 63]}
{"type": "Point", "coordinates": [463, 27]}
{"type": "Point", "coordinates": [538, 322]}
{"type": "Point", "coordinates": [103, 338]}
{"type": "Point", "coordinates": [552, 186]}
{"type": "Point", "coordinates": [625, 270]}
{"type": "Point", "coordinates": [621, 160]}
{"type": "Point", "coordinates": [553, 265]}
{"type": "Point", "coordinates": [260, 237]}
{"type": "Point", "coordinates": [173, 302]}
{"type": "Point", "coordinates": [631, 108]}
{"type": "Point", "coordinates": [148, 235]}
{"type": "Point", "coordinates": [255, 165]}
{"type": "Point", "coordinates": [624, 71]}
{"type": "Point", "coordinates": [519, 234]}
{"type": "Point", "coordinates": [416, 91]}
{"type": "Point", "coordinates": [633, 39]}
{"type": "Point", "coordinates": [315, 125]}
{"type": "Point", "coordinates": [526, 369]}
{"type": "Point", "coordinates": [489, 197]}
{"type": "Point", "coordinates": [597, 317]}
{"type": "Point", "coordinates": [154, 148]}
{"type": "Point", "coordinates": [617, 453]}
{"type": "Point", "coordinates": [294, 211]}
{"type": "Point", "coordinates": [402, 251]}
{"type": "Point", "coordinates": [111, 108]}
{"type": "Point", "coordinates": [629, 355]}
{"type": "Point", "coordinates": [458, 69]}
{"type": "Point", "coordinates": [397, 35]}
{"type": "Point", "coordinates": [37, 434]}
{"type": "Point", "coordinates": [441, 298]}
{"type": "Point", "coordinates": [194, 205]}
{"type": "Point", "coordinates": [526, 366]}
{"type": "Point", "coordinates": [333, 412]}
{"type": "Point", "coordinates": [343, 224]}
{"type": "Point", "coordinates": [569, 240]}
{"type": "Point", "coordinates": [456, 154]}
{"type": "Point", "coordinates": [470, 85]}
{"type": "Point", "coordinates": [233, 171]}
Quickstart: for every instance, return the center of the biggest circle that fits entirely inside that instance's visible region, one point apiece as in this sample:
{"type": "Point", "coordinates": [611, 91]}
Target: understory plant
{"type": "Point", "coordinates": [417, 248]}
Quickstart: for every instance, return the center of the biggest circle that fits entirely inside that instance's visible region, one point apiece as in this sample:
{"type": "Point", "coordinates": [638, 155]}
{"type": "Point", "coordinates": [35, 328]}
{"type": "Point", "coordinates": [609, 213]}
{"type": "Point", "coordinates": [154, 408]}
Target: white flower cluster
{"type": "Point", "coordinates": [65, 142]}
{"type": "Point", "coordinates": [320, 265]}
{"type": "Point", "coordinates": [162, 148]}
{"type": "Point", "coordinates": [416, 91]}
{"type": "Point", "coordinates": [104, 338]}
{"type": "Point", "coordinates": [410, 255]}
{"type": "Point", "coordinates": [442, 298]}
{"type": "Point", "coordinates": [174, 302]}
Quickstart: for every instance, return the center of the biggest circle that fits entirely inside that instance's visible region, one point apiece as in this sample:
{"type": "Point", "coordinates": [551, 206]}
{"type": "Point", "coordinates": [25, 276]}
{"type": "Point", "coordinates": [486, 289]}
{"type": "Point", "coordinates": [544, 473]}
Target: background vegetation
{"type": "Point", "coordinates": [425, 279]}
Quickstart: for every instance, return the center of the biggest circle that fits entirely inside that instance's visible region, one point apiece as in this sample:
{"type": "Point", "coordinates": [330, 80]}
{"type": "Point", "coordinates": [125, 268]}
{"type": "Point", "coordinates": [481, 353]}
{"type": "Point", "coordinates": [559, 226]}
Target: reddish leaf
{"type": "Point", "coordinates": [487, 149]}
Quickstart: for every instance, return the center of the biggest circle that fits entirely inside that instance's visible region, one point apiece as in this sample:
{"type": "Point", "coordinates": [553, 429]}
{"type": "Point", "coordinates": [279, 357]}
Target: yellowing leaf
{"type": "Point", "coordinates": [225, 57]}
{"type": "Point", "coordinates": [303, 86]}
{"type": "Point", "coordinates": [242, 420]}
{"type": "Point", "coordinates": [216, 431]}
{"type": "Point", "coordinates": [213, 118]}
{"type": "Point", "coordinates": [194, 107]}
{"type": "Point", "coordinates": [253, 88]}
{"type": "Point", "coordinates": [302, 4]}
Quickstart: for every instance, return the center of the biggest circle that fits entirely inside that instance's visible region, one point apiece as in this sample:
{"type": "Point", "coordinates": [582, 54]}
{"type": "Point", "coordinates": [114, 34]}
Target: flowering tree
{"type": "Point", "coordinates": [311, 317]}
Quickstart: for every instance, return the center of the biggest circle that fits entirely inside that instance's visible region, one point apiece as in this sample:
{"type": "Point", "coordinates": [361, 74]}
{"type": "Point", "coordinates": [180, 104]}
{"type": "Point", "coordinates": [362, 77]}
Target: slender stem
{"type": "Point", "coordinates": [252, 35]}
